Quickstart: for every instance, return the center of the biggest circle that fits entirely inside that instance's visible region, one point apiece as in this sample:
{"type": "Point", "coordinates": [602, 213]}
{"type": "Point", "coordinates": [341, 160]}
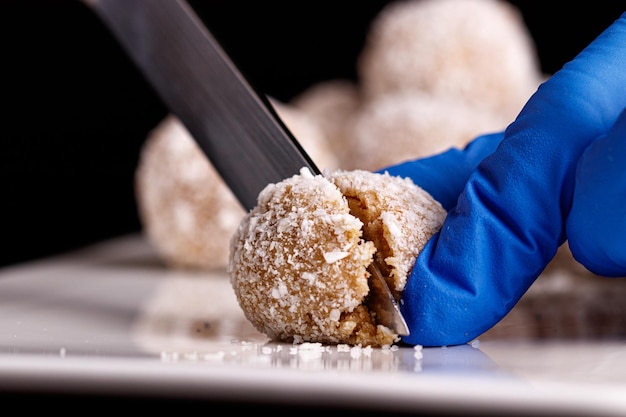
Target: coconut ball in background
{"type": "Point", "coordinates": [433, 74]}
{"type": "Point", "coordinates": [478, 51]}
{"type": "Point", "coordinates": [185, 208]}
{"type": "Point", "coordinates": [309, 133]}
{"type": "Point", "coordinates": [403, 126]}
{"type": "Point", "coordinates": [187, 211]}
{"type": "Point", "coordinates": [331, 104]}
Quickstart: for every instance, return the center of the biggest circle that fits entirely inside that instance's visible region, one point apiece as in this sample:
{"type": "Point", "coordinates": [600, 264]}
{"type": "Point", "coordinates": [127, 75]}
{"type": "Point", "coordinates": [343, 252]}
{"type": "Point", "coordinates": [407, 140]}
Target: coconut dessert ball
{"type": "Point", "coordinates": [404, 126]}
{"type": "Point", "coordinates": [477, 50]}
{"type": "Point", "coordinates": [299, 259]}
{"type": "Point", "coordinates": [187, 211]}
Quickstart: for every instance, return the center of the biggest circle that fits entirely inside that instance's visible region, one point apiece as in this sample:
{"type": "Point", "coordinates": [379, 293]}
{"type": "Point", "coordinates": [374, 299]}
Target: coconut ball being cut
{"type": "Point", "coordinates": [299, 259]}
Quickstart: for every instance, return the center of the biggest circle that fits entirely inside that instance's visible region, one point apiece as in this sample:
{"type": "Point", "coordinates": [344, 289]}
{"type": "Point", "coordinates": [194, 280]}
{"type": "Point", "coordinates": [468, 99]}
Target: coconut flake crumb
{"type": "Point", "coordinates": [418, 352]}
{"type": "Point", "coordinates": [334, 256]}
{"type": "Point", "coordinates": [355, 351]}
{"type": "Point", "coordinates": [343, 347]}
{"type": "Point", "coordinates": [306, 172]}
{"type": "Point", "coordinates": [216, 356]}
{"type": "Point", "coordinates": [367, 351]}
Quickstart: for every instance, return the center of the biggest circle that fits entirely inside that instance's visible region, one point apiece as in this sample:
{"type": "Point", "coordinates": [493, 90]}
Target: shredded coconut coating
{"type": "Point", "coordinates": [298, 263]}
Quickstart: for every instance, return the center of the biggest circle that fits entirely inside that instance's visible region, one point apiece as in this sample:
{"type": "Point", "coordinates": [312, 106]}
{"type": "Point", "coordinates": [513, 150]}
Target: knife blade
{"type": "Point", "coordinates": [235, 126]}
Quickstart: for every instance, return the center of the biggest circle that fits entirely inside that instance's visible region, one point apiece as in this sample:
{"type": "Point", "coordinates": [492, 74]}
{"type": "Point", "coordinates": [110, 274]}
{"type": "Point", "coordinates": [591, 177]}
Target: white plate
{"type": "Point", "coordinates": [112, 320]}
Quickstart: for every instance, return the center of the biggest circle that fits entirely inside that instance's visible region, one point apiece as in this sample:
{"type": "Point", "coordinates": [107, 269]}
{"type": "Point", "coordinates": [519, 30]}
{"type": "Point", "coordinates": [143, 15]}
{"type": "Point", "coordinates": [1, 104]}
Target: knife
{"type": "Point", "coordinates": [236, 127]}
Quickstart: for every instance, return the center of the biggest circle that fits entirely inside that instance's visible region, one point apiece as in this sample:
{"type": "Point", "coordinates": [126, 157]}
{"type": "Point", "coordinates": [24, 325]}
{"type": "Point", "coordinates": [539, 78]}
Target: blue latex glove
{"type": "Point", "coordinates": [510, 195]}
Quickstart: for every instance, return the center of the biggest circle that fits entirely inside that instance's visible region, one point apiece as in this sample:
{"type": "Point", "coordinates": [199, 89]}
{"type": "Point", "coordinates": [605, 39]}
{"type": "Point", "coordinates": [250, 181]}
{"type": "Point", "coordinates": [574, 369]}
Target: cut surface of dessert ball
{"type": "Point", "coordinates": [298, 261]}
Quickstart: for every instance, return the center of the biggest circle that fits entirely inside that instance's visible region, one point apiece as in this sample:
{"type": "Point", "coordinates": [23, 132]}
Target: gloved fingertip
{"type": "Point", "coordinates": [596, 225]}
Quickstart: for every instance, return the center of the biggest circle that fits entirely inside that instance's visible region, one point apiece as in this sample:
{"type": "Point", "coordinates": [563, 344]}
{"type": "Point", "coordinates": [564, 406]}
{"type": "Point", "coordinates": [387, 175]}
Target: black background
{"type": "Point", "coordinates": [75, 111]}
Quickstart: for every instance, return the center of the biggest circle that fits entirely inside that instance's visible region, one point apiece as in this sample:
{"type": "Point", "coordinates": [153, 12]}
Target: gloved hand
{"type": "Point", "coordinates": [558, 171]}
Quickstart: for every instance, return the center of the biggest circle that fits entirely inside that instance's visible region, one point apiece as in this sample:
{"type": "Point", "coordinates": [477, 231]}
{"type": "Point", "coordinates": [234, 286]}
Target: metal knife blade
{"type": "Point", "coordinates": [248, 144]}
{"type": "Point", "coordinates": [236, 127]}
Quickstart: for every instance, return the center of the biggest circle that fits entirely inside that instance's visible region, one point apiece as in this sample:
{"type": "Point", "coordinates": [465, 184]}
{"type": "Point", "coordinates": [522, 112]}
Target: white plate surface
{"type": "Point", "coordinates": [112, 319]}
